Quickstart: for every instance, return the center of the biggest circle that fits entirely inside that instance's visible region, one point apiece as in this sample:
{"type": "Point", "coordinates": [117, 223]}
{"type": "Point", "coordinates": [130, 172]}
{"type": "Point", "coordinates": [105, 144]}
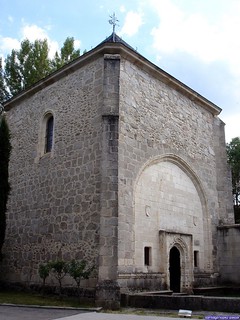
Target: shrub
{"type": "Point", "coordinates": [59, 269]}
{"type": "Point", "coordinates": [79, 270]}
{"type": "Point", "coordinates": [44, 271]}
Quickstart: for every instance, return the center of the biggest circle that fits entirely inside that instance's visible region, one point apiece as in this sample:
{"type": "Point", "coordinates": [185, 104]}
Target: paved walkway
{"type": "Point", "coordinates": [120, 316]}
{"type": "Point", "coordinates": [28, 313]}
{"type": "Point", "coordinates": [113, 316]}
{"type": "Point", "coordinates": [10, 312]}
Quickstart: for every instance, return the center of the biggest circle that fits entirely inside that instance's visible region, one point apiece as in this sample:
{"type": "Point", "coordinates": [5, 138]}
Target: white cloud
{"type": "Point", "coordinates": [122, 8]}
{"type": "Point", "coordinates": [77, 44]}
{"type": "Point", "coordinates": [8, 44]}
{"type": "Point", "coordinates": [132, 23]}
{"type": "Point", "coordinates": [232, 126]}
{"type": "Point", "coordinates": [10, 19]}
{"type": "Point", "coordinates": [33, 32]}
{"type": "Point", "coordinates": [207, 31]}
{"type": "Point", "coordinates": [209, 37]}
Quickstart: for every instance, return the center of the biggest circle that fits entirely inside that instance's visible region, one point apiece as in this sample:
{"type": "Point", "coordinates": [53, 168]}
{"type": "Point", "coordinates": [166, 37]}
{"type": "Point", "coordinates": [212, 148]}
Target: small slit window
{"type": "Point", "coordinates": [147, 256]}
{"type": "Point", "coordinates": [196, 259]}
{"type": "Point", "coordinates": [49, 134]}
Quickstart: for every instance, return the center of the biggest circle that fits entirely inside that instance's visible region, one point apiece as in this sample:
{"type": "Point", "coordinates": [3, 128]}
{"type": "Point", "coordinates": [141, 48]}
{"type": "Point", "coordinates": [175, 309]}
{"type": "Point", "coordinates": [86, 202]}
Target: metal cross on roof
{"type": "Point", "coordinates": [113, 21]}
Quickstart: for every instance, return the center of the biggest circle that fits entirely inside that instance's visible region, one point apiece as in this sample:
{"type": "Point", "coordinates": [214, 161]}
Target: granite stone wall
{"type": "Point", "coordinates": [53, 210]}
{"type": "Point", "coordinates": [157, 121]}
{"type": "Point", "coordinates": [118, 129]}
{"type": "Point", "coordinates": [230, 256]}
{"type": "Point", "coordinates": [108, 290]}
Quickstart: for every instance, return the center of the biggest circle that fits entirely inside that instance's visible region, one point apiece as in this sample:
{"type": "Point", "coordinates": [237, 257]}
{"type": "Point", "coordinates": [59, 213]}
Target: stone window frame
{"type": "Point", "coordinates": [42, 144]}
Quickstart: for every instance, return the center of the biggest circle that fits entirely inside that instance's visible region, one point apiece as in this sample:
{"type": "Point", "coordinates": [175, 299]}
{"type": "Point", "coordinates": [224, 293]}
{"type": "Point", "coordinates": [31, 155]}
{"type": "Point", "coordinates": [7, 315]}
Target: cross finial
{"type": "Point", "coordinates": [113, 21]}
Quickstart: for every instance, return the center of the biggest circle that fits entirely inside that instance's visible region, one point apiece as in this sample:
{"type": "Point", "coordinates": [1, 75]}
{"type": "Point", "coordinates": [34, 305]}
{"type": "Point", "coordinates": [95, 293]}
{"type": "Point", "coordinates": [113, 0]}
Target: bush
{"type": "Point", "coordinates": [44, 271]}
{"type": "Point", "coordinates": [79, 270]}
{"type": "Point", "coordinates": [59, 269]}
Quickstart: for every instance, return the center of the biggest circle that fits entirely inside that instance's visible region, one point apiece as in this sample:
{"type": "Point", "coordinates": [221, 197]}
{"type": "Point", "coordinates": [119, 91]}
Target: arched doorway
{"type": "Point", "coordinates": [175, 269]}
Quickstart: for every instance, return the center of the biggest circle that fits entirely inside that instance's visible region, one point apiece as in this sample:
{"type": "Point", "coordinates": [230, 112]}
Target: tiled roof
{"type": "Point", "coordinates": [115, 38]}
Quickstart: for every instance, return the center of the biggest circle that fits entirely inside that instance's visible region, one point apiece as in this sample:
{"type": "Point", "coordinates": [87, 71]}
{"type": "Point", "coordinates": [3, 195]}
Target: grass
{"type": "Point", "coordinates": [30, 298]}
{"type": "Point", "coordinates": [37, 299]}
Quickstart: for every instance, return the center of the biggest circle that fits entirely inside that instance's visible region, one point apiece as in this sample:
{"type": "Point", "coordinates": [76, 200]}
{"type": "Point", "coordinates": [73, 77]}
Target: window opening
{"type": "Point", "coordinates": [49, 135]}
{"type": "Point", "coordinates": [196, 258]}
{"type": "Point", "coordinates": [147, 256]}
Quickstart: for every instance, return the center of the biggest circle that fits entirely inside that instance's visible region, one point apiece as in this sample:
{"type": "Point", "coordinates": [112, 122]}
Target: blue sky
{"type": "Point", "coordinates": [196, 41]}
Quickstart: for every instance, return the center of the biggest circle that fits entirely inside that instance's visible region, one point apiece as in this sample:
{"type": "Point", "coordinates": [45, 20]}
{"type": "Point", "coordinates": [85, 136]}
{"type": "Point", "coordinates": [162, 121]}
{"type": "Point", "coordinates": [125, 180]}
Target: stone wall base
{"type": "Point", "coordinates": [108, 295]}
{"type": "Point", "coordinates": [195, 303]}
{"type": "Point", "coordinates": [142, 282]}
{"type": "Point", "coordinates": [206, 279]}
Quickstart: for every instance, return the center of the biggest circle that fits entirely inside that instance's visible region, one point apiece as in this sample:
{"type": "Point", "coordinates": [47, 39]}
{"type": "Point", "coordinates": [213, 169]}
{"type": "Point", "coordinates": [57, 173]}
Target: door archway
{"type": "Point", "coordinates": [175, 269]}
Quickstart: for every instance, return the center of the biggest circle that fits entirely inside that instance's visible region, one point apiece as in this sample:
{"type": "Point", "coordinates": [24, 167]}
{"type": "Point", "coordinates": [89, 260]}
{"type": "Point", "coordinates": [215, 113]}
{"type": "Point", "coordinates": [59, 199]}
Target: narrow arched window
{"type": "Point", "coordinates": [49, 134]}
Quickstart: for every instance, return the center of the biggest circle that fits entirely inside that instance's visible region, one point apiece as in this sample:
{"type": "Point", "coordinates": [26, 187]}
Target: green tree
{"type": "Point", "coordinates": [31, 63]}
{"type": "Point", "coordinates": [44, 271]}
{"type": "Point", "coordinates": [12, 75]}
{"type": "Point", "coordinates": [34, 63]}
{"type": "Point", "coordinates": [4, 95]}
{"type": "Point", "coordinates": [67, 54]}
{"type": "Point", "coordinates": [233, 153]}
{"type": "Point", "coordinates": [59, 269]}
{"type": "Point", "coordinates": [26, 66]}
{"type": "Point", "coordinates": [79, 270]}
{"type": "Point", "coordinates": [5, 150]}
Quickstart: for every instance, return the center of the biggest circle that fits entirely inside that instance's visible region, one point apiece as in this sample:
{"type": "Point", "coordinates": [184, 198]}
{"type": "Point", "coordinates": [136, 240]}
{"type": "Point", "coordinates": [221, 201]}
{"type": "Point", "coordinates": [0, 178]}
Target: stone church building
{"type": "Point", "coordinates": [117, 162]}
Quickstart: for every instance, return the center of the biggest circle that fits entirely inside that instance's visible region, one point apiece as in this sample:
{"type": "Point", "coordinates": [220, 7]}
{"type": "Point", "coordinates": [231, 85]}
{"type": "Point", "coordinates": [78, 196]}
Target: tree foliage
{"type": "Point", "coordinates": [76, 269]}
{"type": "Point", "coordinates": [233, 153]}
{"type": "Point", "coordinates": [79, 270]}
{"type": "Point", "coordinates": [31, 63]}
{"type": "Point", "coordinates": [4, 95]}
{"type": "Point", "coordinates": [5, 150]}
{"type": "Point", "coordinates": [26, 66]}
{"type": "Point", "coordinates": [44, 271]}
{"type": "Point", "coordinates": [59, 269]}
{"type": "Point", "coordinates": [67, 54]}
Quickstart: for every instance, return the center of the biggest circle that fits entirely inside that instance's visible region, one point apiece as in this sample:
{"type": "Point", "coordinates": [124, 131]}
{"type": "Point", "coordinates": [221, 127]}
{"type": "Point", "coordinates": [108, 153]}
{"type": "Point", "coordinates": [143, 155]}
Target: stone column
{"type": "Point", "coordinates": [108, 291]}
{"type": "Point", "coordinates": [224, 182]}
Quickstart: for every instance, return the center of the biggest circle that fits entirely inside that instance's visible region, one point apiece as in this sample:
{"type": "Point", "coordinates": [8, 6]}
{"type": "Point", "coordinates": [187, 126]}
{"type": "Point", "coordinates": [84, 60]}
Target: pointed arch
{"type": "Point", "coordinates": [184, 166]}
{"type": "Point", "coordinates": [169, 195]}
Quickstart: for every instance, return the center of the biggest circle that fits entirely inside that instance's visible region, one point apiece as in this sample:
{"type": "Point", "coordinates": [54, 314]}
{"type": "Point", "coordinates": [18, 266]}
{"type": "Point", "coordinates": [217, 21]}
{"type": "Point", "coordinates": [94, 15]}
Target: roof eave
{"type": "Point", "coordinates": [126, 52]}
{"type": "Point", "coordinates": [165, 77]}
